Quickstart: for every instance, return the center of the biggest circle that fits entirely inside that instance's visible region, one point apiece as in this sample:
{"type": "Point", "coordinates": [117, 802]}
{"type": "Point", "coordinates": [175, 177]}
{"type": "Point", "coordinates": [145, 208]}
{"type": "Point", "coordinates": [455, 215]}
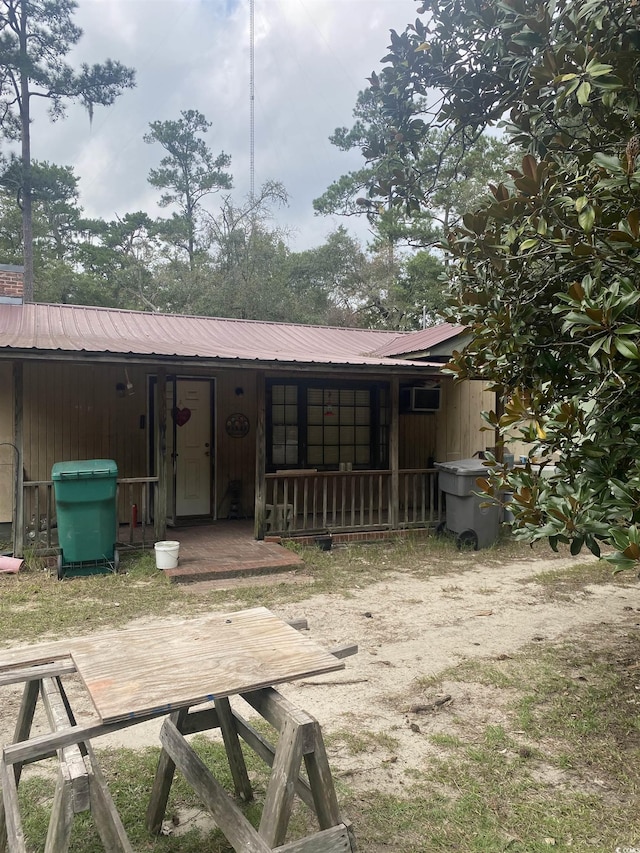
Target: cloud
{"type": "Point", "coordinates": [311, 59]}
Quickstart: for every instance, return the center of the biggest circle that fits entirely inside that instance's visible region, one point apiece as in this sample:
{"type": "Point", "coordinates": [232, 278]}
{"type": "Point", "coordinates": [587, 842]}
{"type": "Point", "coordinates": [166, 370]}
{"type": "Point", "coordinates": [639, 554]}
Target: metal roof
{"type": "Point", "coordinates": [71, 328]}
{"type": "Point", "coordinates": [411, 343]}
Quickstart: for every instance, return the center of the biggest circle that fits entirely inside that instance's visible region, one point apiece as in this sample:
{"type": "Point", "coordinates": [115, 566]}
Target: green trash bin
{"type": "Point", "coordinates": [85, 493]}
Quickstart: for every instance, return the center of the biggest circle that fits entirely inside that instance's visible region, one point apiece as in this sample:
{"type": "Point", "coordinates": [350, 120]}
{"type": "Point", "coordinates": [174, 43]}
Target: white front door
{"type": "Point", "coordinates": [190, 419]}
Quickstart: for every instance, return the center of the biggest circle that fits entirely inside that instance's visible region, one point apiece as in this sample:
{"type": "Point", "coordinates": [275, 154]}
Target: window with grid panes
{"type": "Point", "coordinates": [383, 428]}
{"type": "Point", "coordinates": [284, 424]}
{"type": "Point", "coordinates": [341, 425]}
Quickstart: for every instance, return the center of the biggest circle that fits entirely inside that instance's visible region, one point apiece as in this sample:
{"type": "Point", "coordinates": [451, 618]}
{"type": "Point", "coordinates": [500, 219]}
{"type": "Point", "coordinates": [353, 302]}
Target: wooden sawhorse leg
{"type": "Point", "coordinates": [282, 783]}
{"type": "Point", "coordinates": [300, 739]}
{"type": "Point", "coordinates": [103, 810]}
{"type": "Point", "coordinates": [22, 732]}
{"type": "Point", "coordinates": [163, 780]}
{"type": "Point", "coordinates": [220, 717]}
{"type": "Point", "coordinates": [13, 833]}
{"type": "Point", "coordinates": [321, 783]}
{"type": "Point", "coordinates": [233, 749]}
{"type": "Point", "coordinates": [80, 785]}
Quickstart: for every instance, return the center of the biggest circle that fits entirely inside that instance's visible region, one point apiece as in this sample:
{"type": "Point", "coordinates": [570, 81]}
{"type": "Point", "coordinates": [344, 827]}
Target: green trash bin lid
{"type": "Point", "coordinates": [84, 469]}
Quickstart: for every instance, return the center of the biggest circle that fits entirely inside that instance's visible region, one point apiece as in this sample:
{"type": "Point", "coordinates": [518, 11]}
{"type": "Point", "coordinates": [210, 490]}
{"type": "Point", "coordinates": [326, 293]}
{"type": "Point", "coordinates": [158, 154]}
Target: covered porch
{"type": "Point", "coordinates": [299, 431]}
{"type": "Point", "coordinates": [213, 551]}
{"type": "Point", "coordinates": [298, 504]}
{"type": "Point", "coordinates": [227, 550]}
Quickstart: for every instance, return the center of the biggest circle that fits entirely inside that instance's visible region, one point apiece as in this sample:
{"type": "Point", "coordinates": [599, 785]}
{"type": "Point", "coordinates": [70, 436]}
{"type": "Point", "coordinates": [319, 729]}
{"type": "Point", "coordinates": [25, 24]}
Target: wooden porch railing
{"type": "Point", "coordinates": [297, 502]}
{"type": "Point", "coordinates": [41, 534]}
{"type": "Point", "coordinates": [301, 501]}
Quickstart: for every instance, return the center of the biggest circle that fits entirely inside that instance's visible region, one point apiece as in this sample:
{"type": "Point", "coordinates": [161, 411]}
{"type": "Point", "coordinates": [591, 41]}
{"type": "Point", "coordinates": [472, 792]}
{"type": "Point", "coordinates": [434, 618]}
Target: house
{"type": "Point", "coordinates": [302, 428]}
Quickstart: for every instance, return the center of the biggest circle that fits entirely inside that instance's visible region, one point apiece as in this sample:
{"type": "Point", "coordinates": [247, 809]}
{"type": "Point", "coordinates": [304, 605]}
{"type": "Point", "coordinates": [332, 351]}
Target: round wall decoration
{"type": "Point", "coordinates": [237, 425]}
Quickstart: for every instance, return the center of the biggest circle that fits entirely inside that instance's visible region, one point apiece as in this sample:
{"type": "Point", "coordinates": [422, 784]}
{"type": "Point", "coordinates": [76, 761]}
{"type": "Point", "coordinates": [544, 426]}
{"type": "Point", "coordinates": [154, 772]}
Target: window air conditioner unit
{"type": "Point", "coordinates": [425, 398]}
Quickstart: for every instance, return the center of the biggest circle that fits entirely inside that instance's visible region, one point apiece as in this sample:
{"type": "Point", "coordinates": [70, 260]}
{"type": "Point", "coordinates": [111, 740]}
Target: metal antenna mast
{"type": "Point", "coordinates": [252, 175]}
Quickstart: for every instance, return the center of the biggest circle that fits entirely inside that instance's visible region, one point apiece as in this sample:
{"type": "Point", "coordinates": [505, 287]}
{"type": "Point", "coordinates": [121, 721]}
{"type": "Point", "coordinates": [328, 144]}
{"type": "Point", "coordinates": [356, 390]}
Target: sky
{"type": "Point", "coordinates": [312, 57]}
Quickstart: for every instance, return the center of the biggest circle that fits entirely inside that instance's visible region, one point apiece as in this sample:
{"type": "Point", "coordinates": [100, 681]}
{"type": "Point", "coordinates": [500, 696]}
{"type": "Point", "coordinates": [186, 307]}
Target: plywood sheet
{"type": "Point", "coordinates": [33, 655]}
{"type": "Point", "coordinates": [146, 670]}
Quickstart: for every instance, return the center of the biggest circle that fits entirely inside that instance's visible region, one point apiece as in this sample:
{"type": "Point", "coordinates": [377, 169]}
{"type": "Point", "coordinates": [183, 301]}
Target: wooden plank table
{"type": "Point", "coordinates": [188, 670]}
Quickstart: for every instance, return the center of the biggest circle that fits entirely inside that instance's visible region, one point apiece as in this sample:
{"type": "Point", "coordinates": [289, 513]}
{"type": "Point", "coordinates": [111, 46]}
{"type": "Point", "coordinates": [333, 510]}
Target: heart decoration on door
{"type": "Point", "coordinates": [181, 416]}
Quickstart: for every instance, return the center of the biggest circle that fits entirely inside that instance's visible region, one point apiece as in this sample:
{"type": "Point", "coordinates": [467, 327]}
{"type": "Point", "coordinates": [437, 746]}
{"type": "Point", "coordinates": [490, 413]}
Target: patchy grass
{"type": "Point", "coordinates": [551, 761]}
{"type": "Point", "coordinates": [565, 584]}
{"type": "Point", "coordinates": [129, 774]}
{"type": "Point", "coordinates": [34, 604]}
{"type": "Point", "coordinates": [361, 741]}
{"type": "Point", "coordinates": [562, 772]}
{"type": "Point", "coordinates": [487, 802]}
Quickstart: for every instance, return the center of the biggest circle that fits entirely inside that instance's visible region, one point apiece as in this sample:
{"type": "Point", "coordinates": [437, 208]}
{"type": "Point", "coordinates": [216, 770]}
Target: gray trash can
{"type": "Point", "coordinates": [474, 526]}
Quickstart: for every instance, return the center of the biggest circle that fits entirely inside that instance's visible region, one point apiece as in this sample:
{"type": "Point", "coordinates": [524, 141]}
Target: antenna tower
{"type": "Point", "coordinates": [252, 169]}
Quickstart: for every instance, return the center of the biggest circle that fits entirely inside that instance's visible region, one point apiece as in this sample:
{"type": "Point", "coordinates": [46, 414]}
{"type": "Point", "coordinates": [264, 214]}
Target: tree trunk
{"type": "Point", "coordinates": [192, 228]}
{"type": "Point", "coordinates": [27, 214]}
{"type": "Point", "coordinates": [27, 229]}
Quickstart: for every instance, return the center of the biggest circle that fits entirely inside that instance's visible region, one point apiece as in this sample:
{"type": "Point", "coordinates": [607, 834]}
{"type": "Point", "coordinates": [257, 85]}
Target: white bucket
{"type": "Point", "coordinates": [167, 554]}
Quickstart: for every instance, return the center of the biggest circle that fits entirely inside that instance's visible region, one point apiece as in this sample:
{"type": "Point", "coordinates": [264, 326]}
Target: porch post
{"type": "Point", "coordinates": [261, 457]}
{"type": "Point", "coordinates": [394, 453]}
{"type": "Point", "coordinates": [18, 438]}
{"type": "Point", "coordinates": [160, 517]}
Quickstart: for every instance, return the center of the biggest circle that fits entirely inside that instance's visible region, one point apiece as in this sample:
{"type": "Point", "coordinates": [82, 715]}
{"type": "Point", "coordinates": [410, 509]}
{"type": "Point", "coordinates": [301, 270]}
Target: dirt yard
{"type": "Point", "coordinates": [410, 632]}
{"type": "Point", "coordinates": [409, 629]}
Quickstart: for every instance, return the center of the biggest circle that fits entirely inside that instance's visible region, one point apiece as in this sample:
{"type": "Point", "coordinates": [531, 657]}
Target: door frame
{"type": "Point", "coordinates": [172, 380]}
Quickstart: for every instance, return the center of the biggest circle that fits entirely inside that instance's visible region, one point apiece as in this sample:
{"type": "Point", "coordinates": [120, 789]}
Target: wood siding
{"type": "Point", "coordinates": [418, 439]}
{"type": "Point", "coordinates": [75, 411]}
{"type": "Point", "coordinates": [235, 456]}
{"type": "Point", "coordinates": [459, 423]}
{"type": "Point", "coordinates": [7, 454]}
{"type": "Point", "coordinates": [452, 433]}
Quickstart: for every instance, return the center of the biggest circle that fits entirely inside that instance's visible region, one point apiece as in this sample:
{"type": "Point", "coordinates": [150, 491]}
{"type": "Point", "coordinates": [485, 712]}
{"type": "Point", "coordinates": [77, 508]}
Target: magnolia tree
{"type": "Point", "coordinates": [547, 272]}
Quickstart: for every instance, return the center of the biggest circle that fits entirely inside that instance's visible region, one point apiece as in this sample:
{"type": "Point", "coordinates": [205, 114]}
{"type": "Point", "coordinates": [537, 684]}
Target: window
{"type": "Point", "coordinates": [338, 427]}
{"type": "Point", "coordinates": [320, 426]}
{"type": "Point", "coordinates": [284, 424]}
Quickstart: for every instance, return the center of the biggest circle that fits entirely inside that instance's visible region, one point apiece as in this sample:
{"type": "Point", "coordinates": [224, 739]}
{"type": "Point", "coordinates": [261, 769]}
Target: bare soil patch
{"type": "Point", "coordinates": [410, 630]}
{"type": "Point", "coordinates": [388, 714]}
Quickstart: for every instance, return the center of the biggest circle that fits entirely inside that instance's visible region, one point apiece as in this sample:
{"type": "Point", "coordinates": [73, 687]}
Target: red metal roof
{"type": "Point", "coordinates": [412, 343]}
{"type": "Point", "coordinates": [70, 328]}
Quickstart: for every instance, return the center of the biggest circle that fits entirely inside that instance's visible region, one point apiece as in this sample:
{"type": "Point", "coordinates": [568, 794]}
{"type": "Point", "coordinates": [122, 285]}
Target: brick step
{"type": "Point", "coordinates": [194, 573]}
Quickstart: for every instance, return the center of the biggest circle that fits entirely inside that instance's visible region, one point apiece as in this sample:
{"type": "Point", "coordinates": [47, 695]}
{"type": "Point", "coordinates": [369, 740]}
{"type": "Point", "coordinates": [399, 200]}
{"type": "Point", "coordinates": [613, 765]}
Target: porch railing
{"type": "Point", "coordinates": [297, 502]}
{"type": "Point", "coordinates": [41, 527]}
{"type": "Point", "coordinates": [300, 501]}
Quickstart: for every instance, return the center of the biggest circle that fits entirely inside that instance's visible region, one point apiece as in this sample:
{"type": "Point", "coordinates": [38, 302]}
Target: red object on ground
{"type": "Point", "coordinates": [134, 515]}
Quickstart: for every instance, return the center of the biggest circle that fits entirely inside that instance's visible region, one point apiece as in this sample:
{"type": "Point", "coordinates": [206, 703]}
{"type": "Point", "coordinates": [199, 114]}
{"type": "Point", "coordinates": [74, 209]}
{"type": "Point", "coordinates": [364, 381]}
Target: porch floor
{"type": "Point", "coordinates": [226, 549]}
